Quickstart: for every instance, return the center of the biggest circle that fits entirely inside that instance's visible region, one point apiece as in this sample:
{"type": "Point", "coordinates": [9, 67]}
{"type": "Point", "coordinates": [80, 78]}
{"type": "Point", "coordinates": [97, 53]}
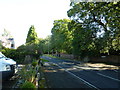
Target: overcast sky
{"type": "Point", "coordinates": [17, 16]}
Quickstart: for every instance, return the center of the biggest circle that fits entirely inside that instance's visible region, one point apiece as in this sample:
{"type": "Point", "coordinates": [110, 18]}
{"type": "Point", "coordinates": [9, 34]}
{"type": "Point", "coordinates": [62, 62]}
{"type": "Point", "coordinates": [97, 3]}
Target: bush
{"type": "Point", "coordinates": [28, 85]}
{"type": "Point", "coordinates": [10, 53]}
{"type": "Point", "coordinates": [14, 54]}
{"type": "Point", "coordinates": [44, 60]}
{"type": "Point", "coordinates": [28, 73]}
{"type": "Point", "coordinates": [34, 64]}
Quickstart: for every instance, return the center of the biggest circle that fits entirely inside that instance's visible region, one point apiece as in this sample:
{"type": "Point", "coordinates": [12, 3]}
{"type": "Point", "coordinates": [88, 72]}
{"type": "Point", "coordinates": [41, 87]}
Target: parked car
{"type": "Point", "coordinates": [7, 67]}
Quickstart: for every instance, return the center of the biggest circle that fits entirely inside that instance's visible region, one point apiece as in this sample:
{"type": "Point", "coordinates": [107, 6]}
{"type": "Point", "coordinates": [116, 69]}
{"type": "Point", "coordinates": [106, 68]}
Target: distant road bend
{"type": "Point", "coordinates": [73, 74]}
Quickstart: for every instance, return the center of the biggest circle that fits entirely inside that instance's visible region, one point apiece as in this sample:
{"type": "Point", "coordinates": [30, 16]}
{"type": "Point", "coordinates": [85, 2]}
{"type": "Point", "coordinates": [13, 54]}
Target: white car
{"type": "Point", "coordinates": [7, 67]}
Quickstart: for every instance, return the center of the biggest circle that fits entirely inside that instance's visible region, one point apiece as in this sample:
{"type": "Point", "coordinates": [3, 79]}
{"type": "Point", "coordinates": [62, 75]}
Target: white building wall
{"type": "Point", "coordinates": [7, 42]}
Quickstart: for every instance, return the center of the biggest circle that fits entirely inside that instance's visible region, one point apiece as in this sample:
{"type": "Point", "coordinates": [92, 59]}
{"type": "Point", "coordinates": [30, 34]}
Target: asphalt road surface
{"type": "Point", "coordinates": [75, 74]}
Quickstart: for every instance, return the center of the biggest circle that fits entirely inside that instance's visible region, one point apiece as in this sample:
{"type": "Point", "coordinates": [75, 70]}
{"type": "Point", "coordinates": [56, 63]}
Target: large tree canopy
{"type": "Point", "coordinates": [61, 36]}
{"type": "Point", "coordinates": [102, 20]}
{"type": "Point", "coordinates": [82, 41]}
{"type": "Point", "coordinates": [101, 14]}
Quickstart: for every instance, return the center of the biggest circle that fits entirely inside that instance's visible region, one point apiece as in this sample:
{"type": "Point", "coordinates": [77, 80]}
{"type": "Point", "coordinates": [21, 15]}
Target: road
{"type": "Point", "coordinates": [75, 74]}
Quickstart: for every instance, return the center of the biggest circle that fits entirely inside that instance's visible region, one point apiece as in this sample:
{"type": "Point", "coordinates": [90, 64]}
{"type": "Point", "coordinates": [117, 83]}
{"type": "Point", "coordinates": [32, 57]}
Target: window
{"type": "Point", "coordinates": [12, 45]}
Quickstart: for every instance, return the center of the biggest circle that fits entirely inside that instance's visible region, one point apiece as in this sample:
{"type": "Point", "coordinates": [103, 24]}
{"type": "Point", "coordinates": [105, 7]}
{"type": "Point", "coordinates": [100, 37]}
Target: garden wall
{"type": "Point", "coordinates": [68, 56]}
{"type": "Point", "coordinates": [108, 59]}
{"type": "Point", "coordinates": [103, 59]}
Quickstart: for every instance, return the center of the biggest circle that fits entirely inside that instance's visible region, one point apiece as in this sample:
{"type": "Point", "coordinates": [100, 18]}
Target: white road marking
{"type": "Point", "coordinates": [115, 70]}
{"type": "Point", "coordinates": [108, 77]}
{"type": "Point", "coordinates": [103, 74]}
{"type": "Point", "coordinates": [87, 83]}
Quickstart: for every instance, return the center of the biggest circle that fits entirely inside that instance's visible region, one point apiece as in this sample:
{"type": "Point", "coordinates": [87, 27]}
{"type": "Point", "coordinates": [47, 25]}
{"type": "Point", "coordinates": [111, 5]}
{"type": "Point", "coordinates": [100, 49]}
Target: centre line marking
{"type": "Point", "coordinates": [87, 83]}
{"type": "Point", "coordinates": [108, 77]}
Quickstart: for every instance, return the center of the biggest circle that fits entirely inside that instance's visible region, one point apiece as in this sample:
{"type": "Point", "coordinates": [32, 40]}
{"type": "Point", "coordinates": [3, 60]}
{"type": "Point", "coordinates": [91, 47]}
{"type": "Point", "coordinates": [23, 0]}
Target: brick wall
{"type": "Point", "coordinates": [108, 59]}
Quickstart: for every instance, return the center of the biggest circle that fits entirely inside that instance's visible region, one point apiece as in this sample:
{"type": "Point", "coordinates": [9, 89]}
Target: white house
{"type": "Point", "coordinates": [7, 40]}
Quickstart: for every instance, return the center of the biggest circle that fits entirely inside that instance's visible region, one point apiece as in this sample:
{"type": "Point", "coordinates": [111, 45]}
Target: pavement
{"type": "Point", "coordinates": [9, 84]}
{"type": "Point", "coordinates": [75, 74]}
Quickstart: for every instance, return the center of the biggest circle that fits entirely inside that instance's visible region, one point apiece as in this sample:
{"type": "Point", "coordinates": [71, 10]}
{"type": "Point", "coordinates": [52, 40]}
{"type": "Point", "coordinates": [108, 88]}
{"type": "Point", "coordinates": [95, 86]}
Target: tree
{"type": "Point", "coordinates": [61, 36]}
{"type": "Point", "coordinates": [45, 45]}
{"type": "Point", "coordinates": [32, 36]}
{"type": "Point", "coordinates": [82, 40]}
{"type": "Point", "coordinates": [31, 48]}
{"type": "Point", "coordinates": [101, 18]}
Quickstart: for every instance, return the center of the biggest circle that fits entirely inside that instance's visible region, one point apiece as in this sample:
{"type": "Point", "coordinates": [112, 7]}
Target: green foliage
{"type": "Point", "coordinates": [28, 85]}
{"type": "Point", "coordinates": [61, 36]}
{"type": "Point", "coordinates": [28, 73]}
{"type": "Point", "coordinates": [34, 50]}
{"type": "Point", "coordinates": [83, 40]}
{"type": "Point", "coordinates": [44, 60]}
{"type": "Point", "coordinates": [15, 54]}
{"type": "Point", "coordinates": [94, 28]}
{"type": "Point", "coordinates": [42, 83]}
{"type": "Point", "coordinates": [45, 45]}
{"type": "Point", "coordinates": [32, 36]}
{"type": "Point", "coordinates": [22, 51]}
{"type": "Point", "coordinates": [29, 49]}
{"type": "Point", "coordinates": [32, 46]}
{"type": "Point", "coordinates": [34, 64]}
{"type": "Point", "coordinates": [10, 53]}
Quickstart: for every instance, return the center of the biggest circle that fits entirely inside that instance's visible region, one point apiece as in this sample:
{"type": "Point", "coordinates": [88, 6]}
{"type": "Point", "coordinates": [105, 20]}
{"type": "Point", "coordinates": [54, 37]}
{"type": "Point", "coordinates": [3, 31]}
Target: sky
{"type": "Point", "coordinates": [16, 16]}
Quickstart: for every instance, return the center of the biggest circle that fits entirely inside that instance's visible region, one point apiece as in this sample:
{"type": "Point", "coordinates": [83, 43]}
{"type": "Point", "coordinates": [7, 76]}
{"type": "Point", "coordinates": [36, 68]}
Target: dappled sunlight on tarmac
{"type": "Point", "coordinates": [98, 66]}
